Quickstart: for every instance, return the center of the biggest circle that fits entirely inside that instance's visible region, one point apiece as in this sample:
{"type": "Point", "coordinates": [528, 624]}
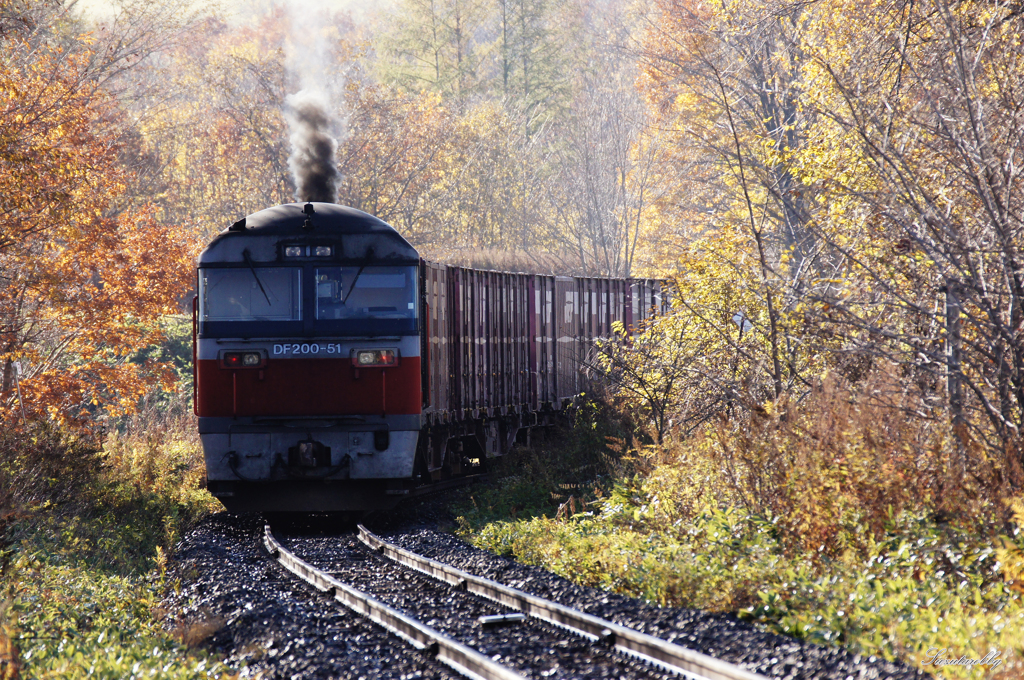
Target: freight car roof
{"type": "Point", "coordinates": [354, 234]}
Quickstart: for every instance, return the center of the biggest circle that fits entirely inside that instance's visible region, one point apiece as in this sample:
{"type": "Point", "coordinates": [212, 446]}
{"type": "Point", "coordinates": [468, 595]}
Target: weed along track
{"type": "Point", "coordinates": [480, 628]}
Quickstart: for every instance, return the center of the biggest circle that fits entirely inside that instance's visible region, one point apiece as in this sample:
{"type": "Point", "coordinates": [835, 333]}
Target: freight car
{"type": "Point", "coordinates": [336, 370]}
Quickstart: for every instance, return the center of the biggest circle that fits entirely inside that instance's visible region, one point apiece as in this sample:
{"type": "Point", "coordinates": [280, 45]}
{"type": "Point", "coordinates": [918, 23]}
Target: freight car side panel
{"type": "Point", "coordinates": [437, 332]}
{"type": "Point", "coordinates": [648, 298]}
{"type": "Point", "coordinates": [567, 337]}
{"type": "Point", "coordinates": [542, 346]}
{"type": "Point", "coordinates": [486, 338]}
{"type": "Point", "coordinates": [521, 396]}
{"type": "Point", "coordinates": [499, 343]}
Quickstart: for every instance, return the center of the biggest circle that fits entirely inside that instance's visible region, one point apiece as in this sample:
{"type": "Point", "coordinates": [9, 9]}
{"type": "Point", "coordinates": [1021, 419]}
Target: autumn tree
{"type": "Point", "coordinates": [494, 188]}
{"type": "Point", "coordinates": [51, 78]}
{"type": "Point", "coordinates": [82, 275]}
{"type": "Point", "coordinates": [921, 129]}
{"type": "Point", "coordinates": [436, 45]}
{"type": "Point", "coordinates": [215, 131]}
{"type": "Point", "coordinates": [606, 156]}
{"type": "Point", "coordinates": [390, 158]}
{"type": "Point", "coordinates": [731, 75]}
{"type": "Point", "coordinates": [725, 81]}
{"type": "Point", "coordinates": [533, 53]}
{"type": "Point", "coordinates": [850, 175]}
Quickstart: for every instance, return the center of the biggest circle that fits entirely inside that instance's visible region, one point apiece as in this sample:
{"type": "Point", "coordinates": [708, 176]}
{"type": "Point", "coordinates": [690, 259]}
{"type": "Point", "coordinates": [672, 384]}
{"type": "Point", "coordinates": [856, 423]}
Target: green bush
{"type": "Point", "coordinates": [557, 470]}
{"type": "Point", "coordinates": [715, 563]}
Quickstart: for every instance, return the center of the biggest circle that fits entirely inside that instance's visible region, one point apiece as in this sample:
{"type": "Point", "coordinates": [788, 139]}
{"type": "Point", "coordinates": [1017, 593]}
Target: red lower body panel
{"type": "Point", "coordinates": [308, 387]}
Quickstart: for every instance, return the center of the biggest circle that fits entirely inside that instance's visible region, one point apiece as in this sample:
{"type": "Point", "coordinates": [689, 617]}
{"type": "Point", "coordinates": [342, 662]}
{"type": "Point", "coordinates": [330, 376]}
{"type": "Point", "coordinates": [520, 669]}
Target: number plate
{"type": "Point", "coordinates": [307, 349]}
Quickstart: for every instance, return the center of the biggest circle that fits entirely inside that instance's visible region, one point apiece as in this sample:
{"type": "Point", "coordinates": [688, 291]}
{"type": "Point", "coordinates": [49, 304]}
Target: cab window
{"type": "Point", "coordinates": [365, 293]}
{"type": "Point", "coordinates": [256, 294]}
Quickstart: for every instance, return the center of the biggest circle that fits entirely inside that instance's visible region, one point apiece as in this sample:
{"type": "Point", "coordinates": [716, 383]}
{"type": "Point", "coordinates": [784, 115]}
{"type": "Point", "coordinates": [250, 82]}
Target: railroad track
{"type": "Point", "coordinates": [490, 631]}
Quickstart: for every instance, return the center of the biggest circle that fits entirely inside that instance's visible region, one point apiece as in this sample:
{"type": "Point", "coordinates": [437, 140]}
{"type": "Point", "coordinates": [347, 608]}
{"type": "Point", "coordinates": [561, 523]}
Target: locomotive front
{"type": "Point", "coordinates": [307, 361]}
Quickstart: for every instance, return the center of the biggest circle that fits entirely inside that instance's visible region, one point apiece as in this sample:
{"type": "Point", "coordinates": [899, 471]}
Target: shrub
{"type": "Point", "coordinates": [837, 519]}
{"type": "Point", "coordinates": [42, 465]}
{"type": "Point", "coordinates": [842, 459]}
{"type": "Point", "coordinates": [88, 528]}
{"type": "Point", "coordinates": [73, 622]}
{"type": "Point", "coordinates": [557, 470]}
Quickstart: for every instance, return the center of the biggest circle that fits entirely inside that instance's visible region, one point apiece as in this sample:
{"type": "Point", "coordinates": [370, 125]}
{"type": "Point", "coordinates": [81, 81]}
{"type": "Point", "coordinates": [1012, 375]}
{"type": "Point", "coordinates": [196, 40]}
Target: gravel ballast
{"type": "Point", "coordinates": [532, 647]}
{"type": "Point", "coordinates": [266, 622]}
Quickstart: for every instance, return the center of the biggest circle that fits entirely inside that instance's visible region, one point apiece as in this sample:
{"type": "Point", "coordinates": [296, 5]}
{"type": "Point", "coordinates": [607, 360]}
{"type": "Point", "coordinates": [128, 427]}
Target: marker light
{"type": "Point", "coordinates": [242, 359]}
{"type": "Point", "coordinates": [375, 357]}
{"type": "Point", "coordinates": [293, 251]}
{"type": "Point", "coordinates": [322, 251]}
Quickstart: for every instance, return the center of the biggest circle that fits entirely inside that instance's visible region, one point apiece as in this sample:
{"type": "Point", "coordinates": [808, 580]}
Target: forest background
{"type": "Point", "coordinates": [833, 185]}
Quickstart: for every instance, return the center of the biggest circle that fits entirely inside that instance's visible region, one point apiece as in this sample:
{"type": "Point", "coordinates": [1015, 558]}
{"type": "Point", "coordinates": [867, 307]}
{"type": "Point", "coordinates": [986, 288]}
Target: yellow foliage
{"type": "Point", "coordinates": [1010, 555]}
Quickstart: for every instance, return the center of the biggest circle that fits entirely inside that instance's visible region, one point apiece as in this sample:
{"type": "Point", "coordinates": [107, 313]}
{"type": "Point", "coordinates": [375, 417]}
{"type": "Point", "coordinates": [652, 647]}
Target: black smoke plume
{"type": "Point", "coordinates": [312, 161]}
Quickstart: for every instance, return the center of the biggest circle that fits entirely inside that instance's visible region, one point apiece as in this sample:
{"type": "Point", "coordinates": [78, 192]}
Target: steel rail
{"type": "Point", "coordinates": [647, 647]}
{"type": "Point", "coordinates": [459, 657]}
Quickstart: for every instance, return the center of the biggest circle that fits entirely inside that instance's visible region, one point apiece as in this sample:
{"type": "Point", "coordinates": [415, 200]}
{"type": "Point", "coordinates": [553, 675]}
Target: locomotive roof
{"type": "Point", "coordinates": [356, 235]}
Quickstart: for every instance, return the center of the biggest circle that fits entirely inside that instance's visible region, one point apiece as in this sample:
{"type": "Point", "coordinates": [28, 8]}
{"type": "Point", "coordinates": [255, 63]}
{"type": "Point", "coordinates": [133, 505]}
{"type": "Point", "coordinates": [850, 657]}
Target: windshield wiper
{"type": "Point", "coordinates": [248, 261]}
{"type": "Point", "coordinates": [353, 286]}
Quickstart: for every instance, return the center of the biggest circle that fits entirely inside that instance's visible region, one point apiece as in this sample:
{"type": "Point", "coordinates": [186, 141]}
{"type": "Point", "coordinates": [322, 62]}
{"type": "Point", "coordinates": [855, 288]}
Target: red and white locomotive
{"type": "Point", "coordinates": [336, 370]}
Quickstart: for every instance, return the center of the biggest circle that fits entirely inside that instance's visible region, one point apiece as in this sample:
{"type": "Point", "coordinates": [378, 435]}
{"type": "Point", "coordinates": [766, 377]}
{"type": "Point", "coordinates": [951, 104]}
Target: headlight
{"type": "Point", "coordinates": [242, 359]}
{"type": "Point", "coordinates": [293, 251]}
{"type": "Point", "coordinates": [322, 251]}
{"type": "Point", "coordinates": [374, 357]}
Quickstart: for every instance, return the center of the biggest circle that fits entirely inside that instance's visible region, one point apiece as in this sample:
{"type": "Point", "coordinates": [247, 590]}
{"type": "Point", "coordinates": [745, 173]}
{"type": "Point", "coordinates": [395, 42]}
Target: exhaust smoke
{"type": "Point", "coordinates": [312, 160]}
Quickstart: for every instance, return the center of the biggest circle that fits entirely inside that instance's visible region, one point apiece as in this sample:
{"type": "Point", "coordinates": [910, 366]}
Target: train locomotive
{"type": "Point", "coordinates": [335, 370]}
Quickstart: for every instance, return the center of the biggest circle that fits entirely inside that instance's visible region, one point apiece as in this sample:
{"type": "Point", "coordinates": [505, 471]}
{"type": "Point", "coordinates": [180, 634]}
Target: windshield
{"type": "Point", "coordinates": [366, 293]}
{"type": "Point", "coordinates": [262, 293]}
